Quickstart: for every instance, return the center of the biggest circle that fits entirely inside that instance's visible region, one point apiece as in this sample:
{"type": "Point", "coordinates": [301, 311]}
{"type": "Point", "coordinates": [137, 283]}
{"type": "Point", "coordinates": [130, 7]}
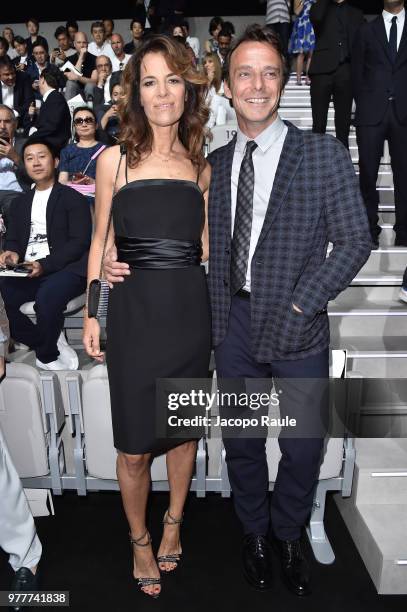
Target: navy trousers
{"type": "Point", "coordinates": [51, 294]}
{"type": "Point", "coordinates": [246, 457]}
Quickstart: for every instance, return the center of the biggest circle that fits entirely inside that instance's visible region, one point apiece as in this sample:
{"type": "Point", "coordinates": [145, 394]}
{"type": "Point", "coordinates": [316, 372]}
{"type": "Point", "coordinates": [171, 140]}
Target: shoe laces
{"type": "Point", "coordinates": [257, 545]}
{"type": "Point", "coordinates": [292, 551]}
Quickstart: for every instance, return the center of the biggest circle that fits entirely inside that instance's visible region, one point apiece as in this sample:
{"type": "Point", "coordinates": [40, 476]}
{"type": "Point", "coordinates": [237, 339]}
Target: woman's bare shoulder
{"type": "Point", "coordinates": [205, 177]}
{"type": "Point", "coordinates": [109, 157]}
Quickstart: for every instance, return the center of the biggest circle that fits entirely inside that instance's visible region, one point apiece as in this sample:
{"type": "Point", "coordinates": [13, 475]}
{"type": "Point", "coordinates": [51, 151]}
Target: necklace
{"type": "Point", "coordinates": [163, 159]}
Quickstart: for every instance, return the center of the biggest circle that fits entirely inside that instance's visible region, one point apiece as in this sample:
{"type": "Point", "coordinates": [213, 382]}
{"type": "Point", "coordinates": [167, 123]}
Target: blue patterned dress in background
{"type": "Point", "coordinates": [303, 38]}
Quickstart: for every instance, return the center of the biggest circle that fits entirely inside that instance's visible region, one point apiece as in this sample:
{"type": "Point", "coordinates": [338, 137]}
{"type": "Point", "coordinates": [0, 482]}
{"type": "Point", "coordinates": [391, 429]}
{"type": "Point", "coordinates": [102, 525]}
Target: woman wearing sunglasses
{"type": "Point", "coordinates": [77, 166]}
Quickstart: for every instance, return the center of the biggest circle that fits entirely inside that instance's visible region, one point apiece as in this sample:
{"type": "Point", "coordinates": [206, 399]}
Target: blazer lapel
{"type": "Point", "coordinates": [403, 42]}
{"type": "Point", "coordinates": [290, 159]}
{"type": "Point", "coordinates": [225, 171]}
{"type": "Point", "coordinates": [380, 30]}
{"type": "Point", "coordinates": [53, 198]}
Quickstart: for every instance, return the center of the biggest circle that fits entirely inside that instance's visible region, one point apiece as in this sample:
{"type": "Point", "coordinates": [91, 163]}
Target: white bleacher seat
{"type": "Point", "coordinates": [32, 418]}
{"type": "Point", "coordinates": [72, 307]}
{"type": "Point", "coordinates": [89, 402]}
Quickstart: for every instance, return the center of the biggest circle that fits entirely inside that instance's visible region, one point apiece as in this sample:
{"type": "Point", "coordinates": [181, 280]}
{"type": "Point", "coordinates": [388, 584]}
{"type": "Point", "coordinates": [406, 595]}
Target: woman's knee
{"type": "Point", "coordinates": [133, 464]}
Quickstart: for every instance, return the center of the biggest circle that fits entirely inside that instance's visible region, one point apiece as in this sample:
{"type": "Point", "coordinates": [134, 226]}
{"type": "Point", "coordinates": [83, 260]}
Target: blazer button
{"type": "Point", "coordinates": [226, 282]}
{"type": "Point", "coordinates": [259, 262]}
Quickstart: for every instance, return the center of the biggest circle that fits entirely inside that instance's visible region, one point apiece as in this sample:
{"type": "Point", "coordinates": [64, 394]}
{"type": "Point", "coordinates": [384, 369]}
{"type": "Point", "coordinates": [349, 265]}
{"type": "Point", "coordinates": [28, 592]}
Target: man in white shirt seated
{"type": "Point", "coordinates": [13, 178]}
{"type": "Point", "coordinates": [16, 92]}
{"type": "Point", "coordinates": [120, 57]}
{"type": "Point", "coordinates": [49, 235]}
{"type": "Point", "coordinates": [193, 41]}
{"type": "Point", "coordinates": [99, 45]}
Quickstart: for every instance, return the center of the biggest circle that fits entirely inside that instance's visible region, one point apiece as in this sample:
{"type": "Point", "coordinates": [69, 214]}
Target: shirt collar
{"type": "Point", "coordinates": [389, 16]}
{"type": "Point", "coordinates": [45, 96]}
{"type": "Point", "coordinates": [266, 139]}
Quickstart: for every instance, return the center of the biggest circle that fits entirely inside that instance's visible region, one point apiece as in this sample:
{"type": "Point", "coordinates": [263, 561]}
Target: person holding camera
{"type": "Point", "coordinates": [60, 54]}
{"type": "Point", "coordinates": [49, 235]}
{"type": "Point", "coordinates": [108, 115]}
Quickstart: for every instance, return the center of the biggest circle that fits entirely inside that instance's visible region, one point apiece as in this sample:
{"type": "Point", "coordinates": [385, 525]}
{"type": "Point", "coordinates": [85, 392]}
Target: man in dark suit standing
{"type": "Point", "coordinates": [379, 70]}
{"type": "Point", "coordinates": [335, 24]}
{"type": "Point", "coordinates": [277, 196]}
{"type": "Point", "coordinates": [54, 119]}
{"type": "Point", "coordinates": [49, 232]}
{"type": "Point", "coordinates": [16, 92]}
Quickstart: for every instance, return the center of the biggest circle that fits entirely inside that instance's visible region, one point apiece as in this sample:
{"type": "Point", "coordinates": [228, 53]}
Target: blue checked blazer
{"type": "Point", "coordinates": [315, 200]}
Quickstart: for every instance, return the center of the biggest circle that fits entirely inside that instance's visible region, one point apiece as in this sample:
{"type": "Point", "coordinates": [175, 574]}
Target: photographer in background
{"type": "Point", "coordinates": [60, 54]}
{"type": "Point", "coordinates": [108, 116]}
{"type": "Point", "coordinates": [23, 59]}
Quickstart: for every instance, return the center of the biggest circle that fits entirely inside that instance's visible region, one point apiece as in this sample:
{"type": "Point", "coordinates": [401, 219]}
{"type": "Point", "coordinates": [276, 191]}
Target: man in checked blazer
{"type": "Point", "coordinates": [301, 192]}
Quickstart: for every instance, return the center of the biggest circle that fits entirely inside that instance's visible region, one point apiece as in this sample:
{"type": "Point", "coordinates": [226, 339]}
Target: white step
{"type": "Point", "coordinates": [386, 260]}
{"type": "Point", "coordinates": [376, 514]}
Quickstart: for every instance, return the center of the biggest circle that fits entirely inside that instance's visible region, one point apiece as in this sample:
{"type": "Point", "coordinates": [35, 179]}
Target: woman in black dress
{"type": "Point", "coordinates": [158, 323]}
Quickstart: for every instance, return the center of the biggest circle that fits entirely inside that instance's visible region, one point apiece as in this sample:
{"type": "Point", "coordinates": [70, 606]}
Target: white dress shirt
{"type": "Point", "coordinates": [105, 49]}
{"type": "Point", "coordinates": [401, 17]}
{"type": "Point", "coordinates": [7, 95]}
{"type": "Point", "coordinates": [265, 161]}
{"type": "Point", "coordinates": [116, 62]}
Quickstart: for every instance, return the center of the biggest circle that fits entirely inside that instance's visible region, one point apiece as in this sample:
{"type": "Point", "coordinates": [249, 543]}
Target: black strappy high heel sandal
{"type": "Point", "coordinates": [145, 581]}
{"type": "Point", "coordinates": [172, 557]}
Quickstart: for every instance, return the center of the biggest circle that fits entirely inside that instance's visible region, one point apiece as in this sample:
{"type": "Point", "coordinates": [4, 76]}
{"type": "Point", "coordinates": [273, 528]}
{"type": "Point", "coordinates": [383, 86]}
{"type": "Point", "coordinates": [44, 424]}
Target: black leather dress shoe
{"type": "Point", "coordinates": [257, 561]}
{"type": "Point", "coordinates": [294, 566]}
{"type": "Point", "coordinates": [24, 580]}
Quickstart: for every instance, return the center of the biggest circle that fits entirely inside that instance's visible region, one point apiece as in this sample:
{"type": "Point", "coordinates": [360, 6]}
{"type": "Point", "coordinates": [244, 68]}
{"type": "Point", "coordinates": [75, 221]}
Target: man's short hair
{"type": "Point", "coordinates": [60, 30]}
{"type": "Point", "coordinates": [33, 140]}
{"type": "Point", "coordinates": [137, 20]}
{"type": "Point", "coordinates": [185, 24]}
{"type": "Point", "coordinates": [71, 23]}
{"type": "Point", "coordinates": [50, 78]}
{"type": "Point", "coordinates": [261, 34]}
{"type": "Point", "coordinates": [39, 44]}
{"type": "Point", "coordinates": [107, 57]}
{"type": "Point", "coordinates": [5, 62]}
{"type": "Point", "coordinates": [4, 42]}
{"type": "Point", "coordinates": [97, 24]}
{"type": "Point", "coordinates": [33, 20]}
{"type": "Point", "coordinates": [10, 110]}
{"type": "Point", "coordinates": [109, 19]}
{"type": "Point", "coordinates": [214, 23]}
{"type": "Point", "coordinates": [20, 40]}
{"type": "Point", "coordinates": [224, 32]}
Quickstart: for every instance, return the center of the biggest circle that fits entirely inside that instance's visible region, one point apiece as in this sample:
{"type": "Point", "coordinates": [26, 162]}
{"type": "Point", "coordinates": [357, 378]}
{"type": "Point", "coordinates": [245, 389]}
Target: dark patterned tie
{"type": "Point", "coordinates": [243, 220]}
{"type": "Point", "coordinates": [393, 39]}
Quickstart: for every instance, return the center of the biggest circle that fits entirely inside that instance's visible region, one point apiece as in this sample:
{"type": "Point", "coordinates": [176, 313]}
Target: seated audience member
{"type": "Point", "coordinates": [108, 24]}
{"type": "Point", "coordinates": [53, 122]}
{"type": "Point", "coordinates": [137, 31]}
{"type": "Point", "coordinates": [77, 165]}
{"type": "Point", "coordinates": [18, 536]}
{"type": "Point", "coordinates": [178, 33]}
{"type": "Point", "coordinates": [99, 45]}
{"type": "Point", "coordinates": [4, 47]}
{"type": "Point", "coordinates": [4, 342]}
{"type": "Point", "coordinates": [13, 178]}
{"type": "Point", "coordinates": [72, 28]}
{"type": "Point", "coordinates": [219, 106]}
{"type": "Point", "coordinates": [85, 63]}
{"type": "Point", "coordinates": [60, 54]}
{"type": "Point", "coordinates": [41, 62]}
{"type": "Point", "coordinates": [33, 27]}
{"type": "Point", "coordinates": [108, 116]}
{"type": "Point", "coordinates": [215, 26]}
{"type": "Point", "coordinates": [22, 60]}
{"type": "Point", "coordinates": [103, 76]}
{"type": "Point", "coordinates": [50, 232]}
{"type": "Point", "coordinates": [16, 92]}
{"type": "Point", "coordinates": [8, 34]}
{"type": "Point", "coordinates": [193, 41]}
{"type": "Point", "coordinates": [224, 44]}
{"type": "Point", "coordinates": [120, 57]}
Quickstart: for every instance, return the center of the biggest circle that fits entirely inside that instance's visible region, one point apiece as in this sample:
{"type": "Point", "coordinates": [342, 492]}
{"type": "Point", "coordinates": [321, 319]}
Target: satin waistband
{"type": "Point", "coordinates": [158, 253]}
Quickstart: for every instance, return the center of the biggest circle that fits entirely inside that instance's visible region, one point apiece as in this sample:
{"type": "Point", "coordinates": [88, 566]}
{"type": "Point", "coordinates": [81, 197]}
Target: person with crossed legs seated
{"type": "Point", "coordinates": [50, 232]}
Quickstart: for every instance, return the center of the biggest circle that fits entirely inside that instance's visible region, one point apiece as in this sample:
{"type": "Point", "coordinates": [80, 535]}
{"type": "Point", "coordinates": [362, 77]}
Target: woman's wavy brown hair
{"type": "Point", "coordinates": [136, 133]}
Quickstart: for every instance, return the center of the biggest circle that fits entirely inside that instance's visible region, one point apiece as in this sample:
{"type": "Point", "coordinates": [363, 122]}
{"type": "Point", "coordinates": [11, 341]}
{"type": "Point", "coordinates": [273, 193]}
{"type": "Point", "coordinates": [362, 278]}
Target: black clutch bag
{"type": "Point", "coordinates": [98, 289]}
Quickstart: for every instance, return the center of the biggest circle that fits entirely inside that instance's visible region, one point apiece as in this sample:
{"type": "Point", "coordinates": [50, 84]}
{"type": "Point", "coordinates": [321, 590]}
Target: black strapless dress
{"type": "Point", "coordinates": [158, 322]}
